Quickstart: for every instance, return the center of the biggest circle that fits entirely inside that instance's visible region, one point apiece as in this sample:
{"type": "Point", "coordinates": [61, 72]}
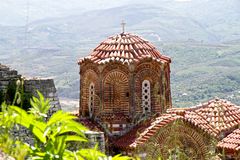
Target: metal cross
{"type": "Point", "coordinates": [123, 26]}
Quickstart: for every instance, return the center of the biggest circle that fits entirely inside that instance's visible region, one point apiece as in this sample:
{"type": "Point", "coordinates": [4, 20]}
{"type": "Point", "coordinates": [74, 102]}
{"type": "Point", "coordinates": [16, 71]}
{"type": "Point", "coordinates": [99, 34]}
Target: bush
{"type": "Point", "coordinates": [50, 136]}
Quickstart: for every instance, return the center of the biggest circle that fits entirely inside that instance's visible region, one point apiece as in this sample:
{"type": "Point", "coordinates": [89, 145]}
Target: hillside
{"type": "Point", "coordinates": [202, 37]}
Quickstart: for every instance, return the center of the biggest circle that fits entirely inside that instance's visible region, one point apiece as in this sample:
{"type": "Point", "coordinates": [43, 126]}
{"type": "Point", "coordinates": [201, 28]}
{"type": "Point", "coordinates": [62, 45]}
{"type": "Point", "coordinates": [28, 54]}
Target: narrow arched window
{"type": "Point", "coordinates": [91, 99]}
{"type": "Point", "coordinates": [146, 96]}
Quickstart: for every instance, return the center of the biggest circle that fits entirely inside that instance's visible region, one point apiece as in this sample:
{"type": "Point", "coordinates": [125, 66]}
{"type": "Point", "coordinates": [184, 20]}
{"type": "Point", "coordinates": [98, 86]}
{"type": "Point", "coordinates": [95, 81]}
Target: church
{"type": "Point", "coordinates": [125, 92]}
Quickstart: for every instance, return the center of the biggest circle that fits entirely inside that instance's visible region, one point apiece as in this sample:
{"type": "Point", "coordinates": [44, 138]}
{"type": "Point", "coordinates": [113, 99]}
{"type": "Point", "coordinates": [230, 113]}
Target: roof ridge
{"type": "Point", "coordinates": [203, 118]}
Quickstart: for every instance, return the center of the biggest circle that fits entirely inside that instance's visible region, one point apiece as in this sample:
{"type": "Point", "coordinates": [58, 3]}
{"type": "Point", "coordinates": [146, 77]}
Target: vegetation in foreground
{"type": "Point", "coordinates": [51, 135]}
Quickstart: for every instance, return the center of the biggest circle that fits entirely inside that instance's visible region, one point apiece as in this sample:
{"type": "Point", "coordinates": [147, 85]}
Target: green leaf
{"type": "Point", "coordinates": [39, 134]}
{"type": "Point", "coordinates": [74, 127]}
{"type": "Point", "coordinates": [60, 116]}
{"type": "Point", "coordinates": [22, 117]}
{"type": "Point", "coordinates": [60, 145]}
{"type": "Point", "coordinates": [75, 138]}
{"type": "Point", "coordinates": [119, 157]}
{"type": "Point", "coordinates": [29, 122]}
{"type": "Point", "coordinates": [90, 154]}
{"type": "Point", "coordinates": [72, 155]}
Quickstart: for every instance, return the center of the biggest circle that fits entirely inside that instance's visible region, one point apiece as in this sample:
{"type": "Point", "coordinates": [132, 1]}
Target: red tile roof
{"type": "Point", "coordinates": [222, 115]}
{"type": "Point", "coordinates": [93, 126]}
{"type": "Point", "coordinates": [144, 131]}
{"type": "Point", "coordinates": [213, 117]}
{"type": "Point", "coordinates": [200, 122]}
{"type": "Point", "coordinates": [231, 142]}
{"type": "Point", "coordinates": [124, 47]}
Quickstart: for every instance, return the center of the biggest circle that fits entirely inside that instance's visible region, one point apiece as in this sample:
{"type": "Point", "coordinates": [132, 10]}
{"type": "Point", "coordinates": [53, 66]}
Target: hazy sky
{"type": "Point", "coordinates": [14, 12]}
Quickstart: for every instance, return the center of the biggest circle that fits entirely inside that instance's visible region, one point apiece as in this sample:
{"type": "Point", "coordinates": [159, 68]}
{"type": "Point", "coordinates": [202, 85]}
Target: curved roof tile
{"type": "Point", "coordinates": [213, 117]}
{"type": "Point", "coordinates": [125, 47]}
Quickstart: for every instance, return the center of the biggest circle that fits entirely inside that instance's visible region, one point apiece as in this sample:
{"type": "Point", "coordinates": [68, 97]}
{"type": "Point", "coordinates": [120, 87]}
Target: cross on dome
{"type": "Point", "coordinates": [123, 26]}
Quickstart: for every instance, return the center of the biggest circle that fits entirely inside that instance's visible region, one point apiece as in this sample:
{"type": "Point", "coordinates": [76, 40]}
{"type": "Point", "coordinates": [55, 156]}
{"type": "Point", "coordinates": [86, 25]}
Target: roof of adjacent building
{"type": "Point", "coordinates": [213, 117]}
{"type": "Point", "coordinates": [144, 131]}
{"type": "Point", "coordinates": [126, 48]}
{"type": "Point", "coordinates": [221, 114]}
{"type": "Point", "coordinates": [231, 142]}
{"type": "Point", "coordinates": [93, 126]}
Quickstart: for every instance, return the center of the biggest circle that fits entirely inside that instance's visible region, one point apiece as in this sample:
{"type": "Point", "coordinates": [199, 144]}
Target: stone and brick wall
{"type": "Point", "coordinates": [96, 138]}
{"type": "Point", "coordinates": [45, 86]}
{"type": "Point", "coordinates": [7, 75]}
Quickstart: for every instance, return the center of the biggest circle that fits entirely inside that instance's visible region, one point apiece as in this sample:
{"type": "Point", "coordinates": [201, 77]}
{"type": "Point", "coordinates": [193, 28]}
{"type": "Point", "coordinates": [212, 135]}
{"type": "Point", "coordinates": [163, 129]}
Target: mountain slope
{"type": "Point", "coordinates": [203, 45]}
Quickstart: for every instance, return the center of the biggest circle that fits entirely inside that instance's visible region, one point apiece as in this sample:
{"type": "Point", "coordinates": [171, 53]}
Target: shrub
{"type": "Point", "coordinates": [50, 136]}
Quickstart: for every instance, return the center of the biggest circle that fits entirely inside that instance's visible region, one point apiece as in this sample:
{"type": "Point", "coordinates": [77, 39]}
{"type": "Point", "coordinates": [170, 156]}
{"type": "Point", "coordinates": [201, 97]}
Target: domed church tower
{"type": "Point", "coordinates": [124, 79]}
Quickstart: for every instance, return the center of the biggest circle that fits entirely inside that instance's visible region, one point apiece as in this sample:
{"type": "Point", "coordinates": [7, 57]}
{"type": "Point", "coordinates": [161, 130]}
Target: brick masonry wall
{"type": "Point", "coordinates": [48, 89]}
{"type": "Point", "coordinates": [118, 87]}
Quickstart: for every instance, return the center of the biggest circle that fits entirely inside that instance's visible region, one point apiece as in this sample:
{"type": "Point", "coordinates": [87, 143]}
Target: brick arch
{"type": "Point", "coordinates": [191, 141]}
{"type": "Point", "coordinates": [116, 91]}
{"type": "Point", "coordinates": [87, 78]}
{"type": "Point", "coordinates": [111, 66]}
{"type": "Point", "coordinates": [89, 66]}
{"type": "Point", "coordinates": [116, 76]}
{"type": "Point", "coordinates": [154, 78]}
{"type": "Point", "coordinates": [157, 67]}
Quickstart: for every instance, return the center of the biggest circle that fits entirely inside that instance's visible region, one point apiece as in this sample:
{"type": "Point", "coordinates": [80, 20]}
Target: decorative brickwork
{"type": "Point", "coordinates": [89, 77]}
{"type": "Point", "coordinates": [132, 83]}
{"type": "Point", "coordinates": [191, 141]}
{"type": "Point", "coordinates": [117, 68]}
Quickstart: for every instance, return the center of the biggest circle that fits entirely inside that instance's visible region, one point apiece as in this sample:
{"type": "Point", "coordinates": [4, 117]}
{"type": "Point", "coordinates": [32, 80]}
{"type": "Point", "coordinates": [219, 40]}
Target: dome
{"type": "Point", "coordinates": [125, 47]}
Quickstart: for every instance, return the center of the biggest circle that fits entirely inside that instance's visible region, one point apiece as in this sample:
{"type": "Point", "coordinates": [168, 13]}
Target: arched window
{"type": "Point", "coordinates": [91, 99]}
{"type": "Point", "coordinates": [146, 96]}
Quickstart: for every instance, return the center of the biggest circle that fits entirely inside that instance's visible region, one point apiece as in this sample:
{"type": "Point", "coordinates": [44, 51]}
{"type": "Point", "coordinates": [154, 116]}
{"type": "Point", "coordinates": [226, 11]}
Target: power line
{"type": "Point", "coordinates": [26, 34]}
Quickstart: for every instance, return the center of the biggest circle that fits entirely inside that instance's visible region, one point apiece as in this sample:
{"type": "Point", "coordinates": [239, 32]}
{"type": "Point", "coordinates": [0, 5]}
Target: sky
{"type": "Point", "coordinates": [16, 12]}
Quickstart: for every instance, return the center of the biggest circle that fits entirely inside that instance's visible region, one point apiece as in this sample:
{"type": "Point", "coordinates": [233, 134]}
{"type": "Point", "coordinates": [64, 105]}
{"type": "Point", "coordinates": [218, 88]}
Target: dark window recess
{"type": "Point", "coordinates": [158, 92]}
{"type": "Point", "coordinates": [145, 84]}
{"type": "Point", "coordinates": [146, 108]}
{"type": "Point", "coordinates": [127, 94]}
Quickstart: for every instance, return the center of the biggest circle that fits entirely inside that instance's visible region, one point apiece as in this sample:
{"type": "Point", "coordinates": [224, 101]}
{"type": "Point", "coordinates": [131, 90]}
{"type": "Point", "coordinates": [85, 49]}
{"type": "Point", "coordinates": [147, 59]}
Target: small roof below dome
{"type": "Point", "coordinates": [125, 47]}
{"type": "Point", "coordinates": [213, 117]}
{"type": "Point", "coordinates": [220, 114]}
{"type": "Point", "coordinates": [231, 142]}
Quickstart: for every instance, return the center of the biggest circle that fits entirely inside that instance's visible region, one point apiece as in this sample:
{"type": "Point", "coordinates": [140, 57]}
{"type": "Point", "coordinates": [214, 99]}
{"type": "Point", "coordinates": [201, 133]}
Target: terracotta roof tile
{"type": "Point", "coordinates": [231, 142]}
{"type": "Point", "coordinates": [93, 126]}
{"type": "Point", "coordinates": [212, 117]}
{"type": "Point", "coordinates": [125, 45]}
{"type": "Point", "coordinates": [144, 131]}
{"type": "Point", "coordinates": [222, 115]}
